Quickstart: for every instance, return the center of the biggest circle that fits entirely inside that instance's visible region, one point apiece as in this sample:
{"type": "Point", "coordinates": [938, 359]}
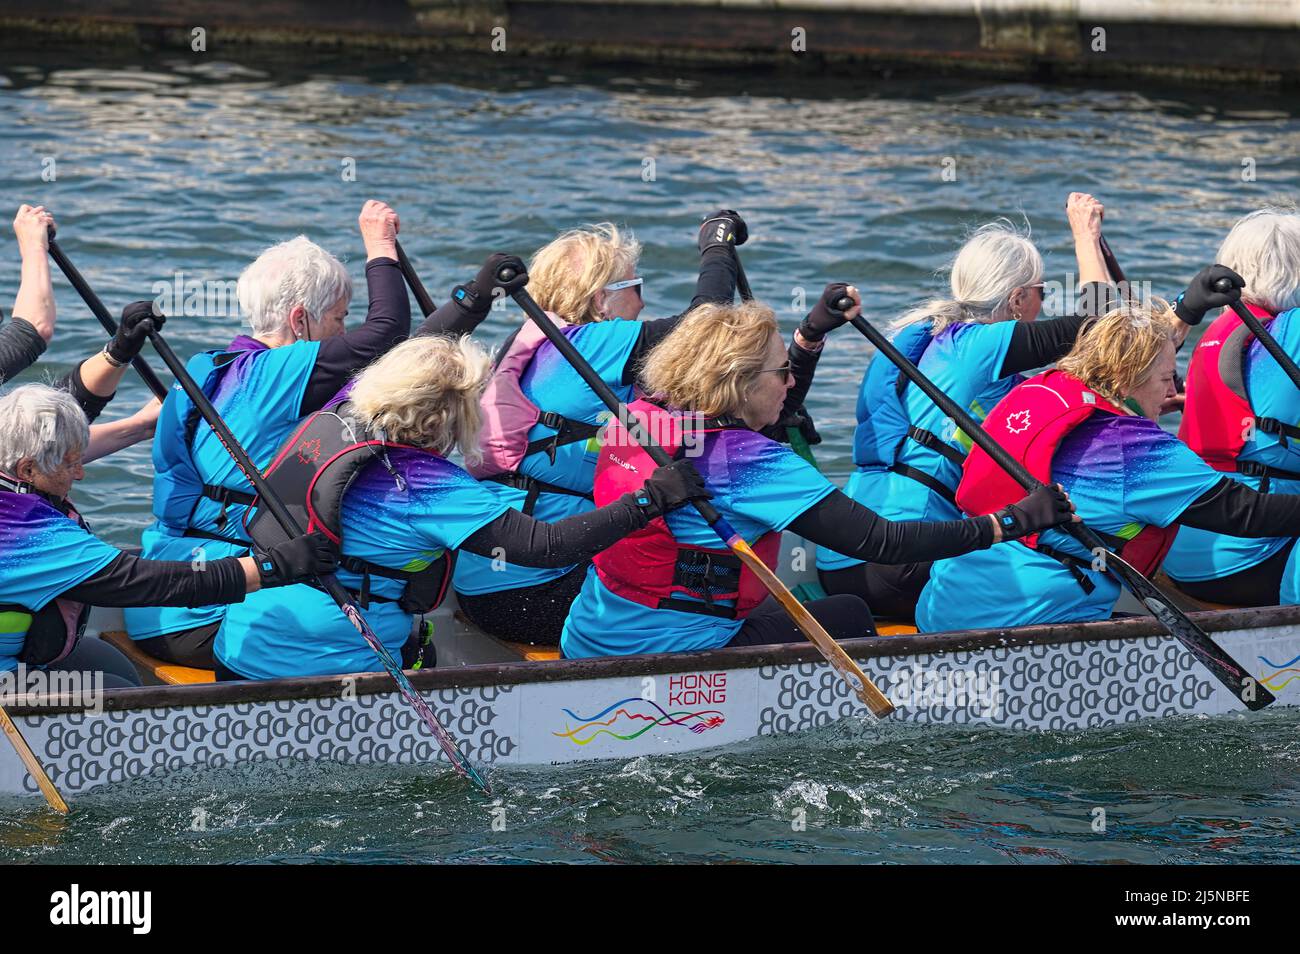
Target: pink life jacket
{"type": "Point", "coordinates": [1217, 417]}
{"type": "Point", "coordinates": [1030, 422]}
{"type": "Point", "coordinates": [311, 473]}
{"type": "Point", "coordinates": [649, 566]}
{"type": "Point", "coordinates": [509, 416]}
{"type": "Point", "coordinates": [53, 631]}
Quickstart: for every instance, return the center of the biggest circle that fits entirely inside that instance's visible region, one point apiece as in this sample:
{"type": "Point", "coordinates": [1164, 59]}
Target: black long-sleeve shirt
{"type": "Point", "coordinates": [838, 522]}
{"type": "Point", "coordinates": [133, 581]}
{"type": "Point", "coordinates": [528, 542]}
{"type": "Point", "coordinates": [388, 321]}
{"type": "Point", "coordinates": [1233, 508]}
{"type": "Point", "coordinates": [21, 346]}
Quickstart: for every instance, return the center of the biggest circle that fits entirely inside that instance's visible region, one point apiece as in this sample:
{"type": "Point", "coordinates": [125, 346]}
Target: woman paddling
{"type": "Point", "coordinates": [1242, 415]}
{"type": "Point", "coordinates": [92, 382]}
{"type": "Point", "coordinates": [401, 510]}
{"type": "Point", "coordinates": [1090, 425]}
{"type": "Point", "coordinates": [716, 381]}
{"type": "Point", "coordinates": [295, 296]}
{"type": "Point", "coordinates": [52, 568]}
{"type": "Point", "coordinates": [973, 346]}
{"type": "Point", "coordinates": [541, 420]}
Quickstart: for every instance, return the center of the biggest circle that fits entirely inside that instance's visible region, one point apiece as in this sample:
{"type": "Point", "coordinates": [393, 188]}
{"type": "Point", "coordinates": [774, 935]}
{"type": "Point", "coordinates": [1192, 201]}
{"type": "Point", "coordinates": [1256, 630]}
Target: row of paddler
{"type": "Point", "coordinates": [569, 533]}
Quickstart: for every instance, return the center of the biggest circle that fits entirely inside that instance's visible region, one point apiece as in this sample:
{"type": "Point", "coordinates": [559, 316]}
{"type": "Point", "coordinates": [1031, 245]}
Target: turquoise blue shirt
{"type": "Point", "coordinates": [299, 631]}
{"type": "Point", "coordinates": [260, 398]}
{"type": "Point", "coordinates": [1123, 474]}
{"type": "Point", "coordinates": [758, 486]}
{"type": "Point", "coordinates": [43, 554]}
{"type": "Point", "coordinates": [1202, 555]}
{"type": "Point", "coordinates": [552, 384]}
{"type": "Point", "coordinates": [965, 362]}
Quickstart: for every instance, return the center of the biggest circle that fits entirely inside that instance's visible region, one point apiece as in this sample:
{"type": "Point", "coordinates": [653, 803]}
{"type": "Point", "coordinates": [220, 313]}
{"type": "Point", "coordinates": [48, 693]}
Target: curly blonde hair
{"type": "Point", "coordinates": [1114, 353]}
{"type": "Point", "coordinates": [425, 392]}
{"type": "Point", "coordinates": [565, 275]}
{"type": "Point", "coordinates": [712, 358]}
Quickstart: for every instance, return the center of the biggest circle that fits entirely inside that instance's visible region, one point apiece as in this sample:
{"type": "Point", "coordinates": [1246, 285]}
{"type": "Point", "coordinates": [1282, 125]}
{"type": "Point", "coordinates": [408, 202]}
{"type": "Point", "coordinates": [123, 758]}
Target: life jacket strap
{"type": "Point", "coordinates": [921, 477]}
{"type": "Point", "coordinates": [205, 535]}
{"type": "Point", "coordinates": [932, 441]}
{"type": "Point", "coordinates": [1265, 473]}
{"type": "Point", "coordinates": [711, 576]}
{"type": "Point", "coordinates": [225, 496]}
{"type": "Point", "coordinates": [1074, 564]}
{"type": "Point", "coordinates": [1271, 425]}
{"type": "Point", "coordinates": [567, 431]}
{"type": "Point", "coordinates": [534, 488]}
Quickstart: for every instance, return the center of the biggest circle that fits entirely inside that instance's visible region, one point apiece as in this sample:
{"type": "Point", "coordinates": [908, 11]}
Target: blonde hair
{"type": "Point", "coordinates": [993, 262]}
{"type": "Point", "coordinates": [1114, 353]}
{"type": "Point", "coordinates": [1264, 248]}
{"type": "Point", "coordinates": [565, 275]}
{"type": "Point", "coordinates": [712, 358]}
{"type": "Point", "coordinates": [425, 392]}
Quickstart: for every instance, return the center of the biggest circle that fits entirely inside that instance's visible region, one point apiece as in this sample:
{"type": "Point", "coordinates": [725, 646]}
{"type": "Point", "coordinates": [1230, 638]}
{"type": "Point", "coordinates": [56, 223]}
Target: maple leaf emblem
{"type": "Point", "coordinates": [309, 451]}
{"type": "Point", "coordinates": [1018, 422]}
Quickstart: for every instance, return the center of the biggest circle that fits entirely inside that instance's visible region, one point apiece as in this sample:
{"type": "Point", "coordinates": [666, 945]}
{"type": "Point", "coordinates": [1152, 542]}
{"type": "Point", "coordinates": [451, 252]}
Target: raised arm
{"type": "Point", "coordinates": [388, 316]}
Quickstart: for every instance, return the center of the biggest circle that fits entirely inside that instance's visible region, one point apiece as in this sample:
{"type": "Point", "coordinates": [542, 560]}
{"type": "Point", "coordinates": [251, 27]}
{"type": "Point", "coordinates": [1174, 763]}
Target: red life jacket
{"type": "Point", "coordinates": [311, 473]}
{"type": "Point", "coordinates": [649, 566]}
{"type": "Point", "coordinates": [1218, 417]}
{"type": "Point", "coordinates": [1030, 422]}
{"type": "Point", "coordinates": [509, 415]}
{"type": "Point", "coordinates": [53, 631]}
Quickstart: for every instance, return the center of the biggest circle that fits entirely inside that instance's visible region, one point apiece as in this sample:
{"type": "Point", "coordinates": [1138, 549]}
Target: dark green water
{"type": "Point", "coordinates": [194, 165]}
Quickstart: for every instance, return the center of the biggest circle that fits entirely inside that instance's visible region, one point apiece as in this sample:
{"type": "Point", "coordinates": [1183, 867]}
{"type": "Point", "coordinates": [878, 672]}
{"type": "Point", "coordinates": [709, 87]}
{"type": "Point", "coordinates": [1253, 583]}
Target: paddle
{"type": "Point", "coordinates": [32, 763]}
{"type": "Point", "coordinates": [1222, 666]}
{"type": "Point", "coordinates": [839, 660]}
{"type": "Point", "coordinates": [1265, 337]}
{"type": "Point", "coordinates": [92, 301]}
{"type": "Point", "coordinates": [798, 443]}
{"type": "Point", "coordinates": [421, 294]}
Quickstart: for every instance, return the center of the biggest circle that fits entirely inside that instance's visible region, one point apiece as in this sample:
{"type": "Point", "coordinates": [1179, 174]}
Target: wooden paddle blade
{"type": "Point", "coordinates": [32, 763]}
{"type": "Point", "coordinates": [1254, 695]}
{"type": "Point", "coordinates": [840, 661]}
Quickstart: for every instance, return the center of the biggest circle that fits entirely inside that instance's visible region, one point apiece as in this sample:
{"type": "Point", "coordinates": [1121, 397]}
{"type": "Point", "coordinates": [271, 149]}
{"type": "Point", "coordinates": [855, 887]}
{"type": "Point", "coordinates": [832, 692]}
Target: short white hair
{"type": "Point", "coordinates": [296, 272]}
{"type": "Point", "coordinates": [994, 261]}
{"type": "Point", "coordinates": [41, 424]}
{"type": "Point", "coordinates": [1264, 248]}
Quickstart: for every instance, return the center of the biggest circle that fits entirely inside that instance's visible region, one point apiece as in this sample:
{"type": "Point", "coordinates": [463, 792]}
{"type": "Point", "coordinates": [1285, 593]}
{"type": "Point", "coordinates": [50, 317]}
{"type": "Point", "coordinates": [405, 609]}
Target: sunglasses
{"type": "Point", "coordinates": [785, 369]}
{"type": "Point", "coordinates": [629, 283]}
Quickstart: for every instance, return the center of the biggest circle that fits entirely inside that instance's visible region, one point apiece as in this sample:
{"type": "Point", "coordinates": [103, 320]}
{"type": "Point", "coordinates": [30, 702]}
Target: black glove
{"type": "Point", "coordinates": [825, 317]}
{"type": "Point", "coordinates": [478, 295]}
{"type": "Point", "coordinates": [1201, 295]}
{"type": "Point", "coordinates": [138, 319]}
{"type": "Point", "coordinates": [296, 560]}
{"type": "Point", "coordinates": [669, 487]}
{"type": "Point", "coordinates": [1048, 506]}
{"type": "Point", "coordinates": [723, 228]}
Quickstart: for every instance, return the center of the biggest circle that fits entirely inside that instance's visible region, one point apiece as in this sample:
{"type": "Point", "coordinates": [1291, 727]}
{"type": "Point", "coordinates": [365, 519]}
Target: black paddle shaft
{"type": "Point", "coordinates": [1252, 693]}
{"type": "Point", "coordinates": [93, 302]}
{"type": "Point", "coordinates": [422, 297]}
{"type": "Point", "coordinates": [742, 282]}
{"type": "Point", "coordinates": [1265, 337]}
{"type": "Point", "coordinates": [594, 381]}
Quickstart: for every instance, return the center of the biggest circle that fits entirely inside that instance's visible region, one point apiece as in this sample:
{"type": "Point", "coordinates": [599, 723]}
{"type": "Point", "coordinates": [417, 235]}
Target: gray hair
{"type": "Point", "coordinates": [296, 272]}
{"type": "Point", "coordinates": [1264, 248]}
{"type": "Point", "coordinates": [41, 424]}
{"type": "Point", "coordinates": [995, 261]}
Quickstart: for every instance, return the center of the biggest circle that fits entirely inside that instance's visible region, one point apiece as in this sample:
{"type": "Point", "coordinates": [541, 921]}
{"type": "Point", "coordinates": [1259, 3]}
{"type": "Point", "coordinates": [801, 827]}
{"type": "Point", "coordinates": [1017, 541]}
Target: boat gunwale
{"type": "Point", "coordinates": [302, 688]}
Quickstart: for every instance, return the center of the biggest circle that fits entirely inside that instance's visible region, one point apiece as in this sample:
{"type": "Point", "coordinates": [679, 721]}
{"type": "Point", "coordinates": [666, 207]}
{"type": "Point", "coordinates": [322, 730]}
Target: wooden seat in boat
{"type": "Point", "coordinates": [153, 670]}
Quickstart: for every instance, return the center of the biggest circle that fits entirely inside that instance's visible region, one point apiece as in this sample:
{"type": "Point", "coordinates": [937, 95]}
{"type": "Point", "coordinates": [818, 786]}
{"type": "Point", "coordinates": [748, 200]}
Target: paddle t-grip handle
{"type": "Point", "coordinates": [1223, 285]}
